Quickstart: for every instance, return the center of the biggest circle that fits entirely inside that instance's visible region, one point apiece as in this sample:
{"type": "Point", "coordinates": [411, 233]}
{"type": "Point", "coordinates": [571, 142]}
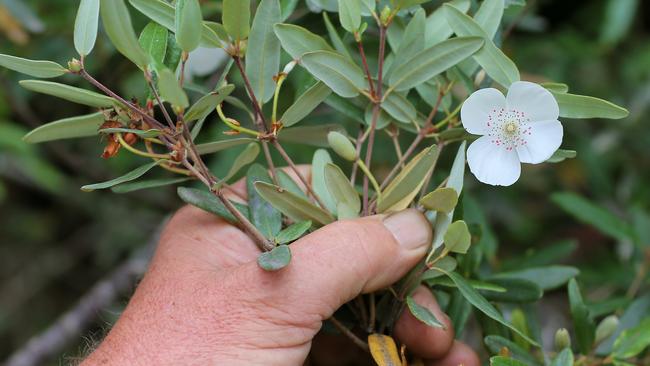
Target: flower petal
{"type": "Point", "coordinates": [476, 109]}
{"type": "Point", "coordinates": [492, 164]}
{"type": "Point", "coordinates": [541, 141]}
{"type": "Point", "coordinates": [537, 103]}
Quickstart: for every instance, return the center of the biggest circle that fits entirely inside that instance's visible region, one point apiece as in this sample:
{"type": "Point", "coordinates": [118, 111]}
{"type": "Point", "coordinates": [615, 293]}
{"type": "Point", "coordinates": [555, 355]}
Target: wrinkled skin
{"type": "Point", "coordinates": [205, 301]}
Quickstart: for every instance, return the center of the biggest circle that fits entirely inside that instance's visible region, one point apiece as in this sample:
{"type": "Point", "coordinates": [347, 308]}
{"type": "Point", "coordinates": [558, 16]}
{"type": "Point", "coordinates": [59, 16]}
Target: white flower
{"type": "Point", "coordinates": [519, 128]}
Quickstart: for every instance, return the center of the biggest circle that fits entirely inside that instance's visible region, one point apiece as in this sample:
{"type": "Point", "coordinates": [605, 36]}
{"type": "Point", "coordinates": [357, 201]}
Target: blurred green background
{"type": "Point", "coordinates": [57, 242]}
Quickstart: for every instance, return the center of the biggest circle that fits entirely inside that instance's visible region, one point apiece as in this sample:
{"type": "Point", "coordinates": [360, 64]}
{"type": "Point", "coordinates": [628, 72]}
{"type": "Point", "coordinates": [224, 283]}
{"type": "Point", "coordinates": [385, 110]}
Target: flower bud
{"type": "Point", "coordinates": [74, 65]}
{"type": "Point", "coordinates": [342, 146]}
{"type": "Point", "coordinates": [384, 16]}
{"type": "Point", "coordinates": [562, 339]}
{"type": "Point", "coordinates": [606, 328]}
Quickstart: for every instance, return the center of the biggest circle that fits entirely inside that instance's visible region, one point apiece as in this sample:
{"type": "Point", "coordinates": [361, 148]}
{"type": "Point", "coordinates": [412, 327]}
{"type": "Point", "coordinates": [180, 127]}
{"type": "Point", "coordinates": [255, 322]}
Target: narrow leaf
{"type": "Point", "coordinates": [297, 41]}
{"type": "Point", "coordinates": [216, 146]}
{"type": "Point", "coordinates": [293, 232]}
{"type": "Point", "coordinates": [433, 61]}
{"type": "Point", "coordinates": [384, 350]}
{"type": "Point", "coordinates": [188, 24]}
{"type": "Point", "coordinates": [68, 128]}
{"type": "Point", "coordinates": [398, 107]}
{"type": "Point", "coordinates": [35, 68]}
{"type": "Point", "coordinates": [319, 161]}
{"type": "Point", "coordinates": [350, 14]}
{"type": "Point", "coordinates": [564, 358]}
{"type": "Point", "coordinates": [496, 343]}
{"type": "Point", "coordinates": [130, 176]}
{"type": "Point", "coordinates": [343, 76]}
{"type": "Point", "coordinates": [170, 90]}
{"type": "Point", "coordinates": [581, 106]}
{"type": "Point", "coordinates": [310, 135]}
{"type": "Point", "coordinates": [210, 203]}
{"type": "Point", "coordinates": [489, 15]}
{"type": "Point", "coordinates": [148, 184]}
{"type": "Point", "coordinates": [153, 40]}
{"type": "Point", "coordinates": [561, 155]}
{"type": "Point", "coordinates": [208, 103]}
{"type": "Point", "coordinates": [423, 314]}
{"type": "Point", "coordinates": [263, 216]}
{"type": "Point", "coordinates": [263, 50]}
{"type": "Point", "coordinates": [305, 104]}
{"type": "Point", "coordinates": [547, 278]}
{"type": "Point", "coordinates": [118, 27]}
{"type": "Point", "coordinates": [295, 207]}
{"type": "Point", "coordinates": [633, 341]}
{"type": "Point", "coordinates": [341, 189]}
{"type": "Point", "coordinates": [437, 28]}
{"type": "Point", "coordinates": [583, 324]}
{"type": "Point", "coordinates": [85, 26]}
{"type": "Point", "coordinates": [69, 93]}
{"type": "Point", "coordinates": [245, 158]}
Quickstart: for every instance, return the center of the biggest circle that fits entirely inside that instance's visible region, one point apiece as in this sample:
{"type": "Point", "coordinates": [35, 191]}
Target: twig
{"type": "Point", "coordinates": [261, 122]}
{"type": "Point", "coordinates": [348, 333]}
{"type": "Point", "coordinates": [168, 118]}
{"type": "Point", "coordinates": [75, 321]}
{"type": "Point", "coordinates": [364, 61]}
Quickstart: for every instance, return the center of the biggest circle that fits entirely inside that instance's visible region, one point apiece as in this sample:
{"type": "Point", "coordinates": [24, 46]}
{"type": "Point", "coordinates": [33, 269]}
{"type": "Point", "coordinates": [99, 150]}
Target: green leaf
{"type": "Point", "coordinates": [564, 358]}
{"type": "Point", "coordinates": [153, 40]}
{"type": "Point", "coordinates": [505, 361]}
{"type": "Point", "coordinates": [561, 155]}
{"type": "Point", "coordinates": [188, 24]}
{"type": "Point", "coordinates": [305, 104]}
{"type": "Point", "coordinates": [310, 135]}
{"type": "Point", "coordinates": [245, 158]}
{"type": "Point", "coordinates": [556, 87]}
{"type": "Point", "coordinates": [442, 200]}
{"type": "Point", "coordinates": [457, 238]}
{"type": "Point", "coordinates": [68, 128]}
{"type": "Point", "coordinates": [142, 133]}
{"type": "Point", "coordinates": [581, 106]}
{"type": "Point", "coordinates": [292, 205]}
{"type": "Point", "coordinates": [517, 291]}
{"type": "Point", "coordinates": [411, 43]}
{"type": "Point", "coordinates": [483, 305]}
{"type": "Point", "coordinates": [210, 203]}
{"type": "Point", "coordinates": [398, 107]}
{"type": "Point", "coordinates": [350, 15]}
{"type": "Point", "coordinates": [236, 16]}
{"type": "Point", "coordinates": [35, 68]}
{"type": "Point", "coordinates": [455, 181]}
{"type": "Point", "coordinates": [346, 107]}
{"type": "Point", "coordinates": [633, 341]}
{"type": "Point", "coordinates": [69, 93]}
{"type": "Point", "coordinates": [343, 76]}
{"type": "Point", "coordinates": [437, 28]}
{"type": "Point", "coordinates": [495, 344]}
{"type": "Point", "coordinates": [293, 232]}
{"type": "Point", "coordinates": [148, 184]}
{"type": "Point", "coordinates": [204, 106]}
{"type": "Point", "coordinates": [433, 61]}
{"type": "Point", "coordinates": [130, 176]}
{"type": "Point", "coordinates": [405, 4]}
{"type": "Point", "coordinates": [341, 189]}
{"type": "Point", "coordinates": [263, 216]}
{"type": "Point", "coordinates": [334, 37]}
{"type": "Point", "coordinates": [164, 14]}
{"type": "Point", "coordinates": [319, 161]}
{"type": "Point", "coordinates": [489, 15]}
{"type": "Point", "coordinates": [216, 146]}
{"type": "Point", "coordinates": [263, 50]}
{"type": "Point", "coordinates": [118, 27]}
{"type": "Point", "coordinates": [170, 90]}
{"type": "Point", "coordinates": [288, 6]}
{"type": "Point", "coordinates": [587, 212]}
{"type": "Point", "coordinates": [297, 41]}
{"type": "Point", "coordinates": [632, 316]}
{"type": "Point", "coordinates": [447, 264]}
{"type": "Point", "coordinates": [423, 314]}
{"type": "Point", "coordinates": [547, 278]}
{"type": "Point", "coordinates": [276, 259]}
{"type": "Point", "coordinates": [476, 284]}
{"type": "Point", "coordinates": [85, 26]}
{"type": "Point", "coordinates": [619, 18]}
{"type": "Point", "coordinates": [583, 324]}
{"type": "Point", "coordinates": [403, 189]}
{"type": "Point", "coordinates": [495, 63]}
{"type": "Point", "coordinates": [286, 182]}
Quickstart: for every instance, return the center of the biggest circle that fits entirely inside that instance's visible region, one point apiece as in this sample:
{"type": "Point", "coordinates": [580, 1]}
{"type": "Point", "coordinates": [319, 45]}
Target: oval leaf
{"type": "Point", "coordinates": [276, 259]}
{"type": "Point", "coordinates": [457, 238]}
{"type": "Point", "coordinates": [442, 200]}
{"type": "Point", "coordinates": [384, 350]}
{"type": "Point", "coordinates": [341, 189]}
{"type": "Point", "coordinates": [118, 27]}
{"type": "Point", "coordinates": [85, 26]}
{"type": "Point", "coordinates": [297, 41]}
{"type": "Point", "coordinates": [263, 50]}
{"type": "Point", "coordinates": [170, 90]}
{"type": "Point", "coordinates": [208, 202]}
{"type": "Point", "coordinates": [343, 76]}
{"type": "Point", "coordinates": [236, 17]}
{"type": "Point", "coordinates": [188, 24]}
{"type": "Point", "coordinates": [293, 232]}
{"type": "Point", "coordinates": [35, 68]}
{"type": "Point", "coordinates": [423, 314]}
{"type": "Point", "coordinates": [263, 216]}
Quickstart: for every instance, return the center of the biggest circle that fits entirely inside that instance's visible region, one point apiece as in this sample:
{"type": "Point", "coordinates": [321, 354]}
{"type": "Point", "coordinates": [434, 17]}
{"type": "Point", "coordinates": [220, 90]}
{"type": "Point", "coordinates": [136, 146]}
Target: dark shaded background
{"type": "Point", "coordinates": [57, 242]}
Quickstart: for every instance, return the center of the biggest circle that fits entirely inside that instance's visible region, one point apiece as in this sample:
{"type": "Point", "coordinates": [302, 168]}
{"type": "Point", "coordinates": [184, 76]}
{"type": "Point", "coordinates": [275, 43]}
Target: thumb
{"type": "Point", "coordinates": [341, 260]}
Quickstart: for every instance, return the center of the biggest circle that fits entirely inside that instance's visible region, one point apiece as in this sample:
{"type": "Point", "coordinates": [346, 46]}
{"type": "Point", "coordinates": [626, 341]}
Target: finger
{"type": "Point", "coordinates": [239, 188]}
{"type": "Point", "coordinates": [343, 259]}
{"type": "Point", "coordinates": [460, 354]}
{"type": "Point", "coordinates": [421, 339]}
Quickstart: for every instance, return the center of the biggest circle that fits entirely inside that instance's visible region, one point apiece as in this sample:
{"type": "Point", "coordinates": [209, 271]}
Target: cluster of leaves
{"type": "Point", "coordinates": [433, 73]}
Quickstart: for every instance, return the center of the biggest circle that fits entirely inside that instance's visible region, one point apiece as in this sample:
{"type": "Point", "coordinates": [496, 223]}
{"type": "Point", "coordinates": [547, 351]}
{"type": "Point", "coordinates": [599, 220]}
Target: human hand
{"type": "Point", "coordinates": [205, 301]}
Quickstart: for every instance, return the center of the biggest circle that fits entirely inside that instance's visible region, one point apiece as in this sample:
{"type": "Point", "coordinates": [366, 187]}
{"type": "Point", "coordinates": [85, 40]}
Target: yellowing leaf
{"type": "Point", "coordinates": [384, 350]}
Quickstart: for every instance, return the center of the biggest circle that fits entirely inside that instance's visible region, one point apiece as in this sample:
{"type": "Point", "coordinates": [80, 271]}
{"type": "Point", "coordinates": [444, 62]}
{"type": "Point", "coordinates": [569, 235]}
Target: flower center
{"type": "Point", "coordinates": [508, 128]}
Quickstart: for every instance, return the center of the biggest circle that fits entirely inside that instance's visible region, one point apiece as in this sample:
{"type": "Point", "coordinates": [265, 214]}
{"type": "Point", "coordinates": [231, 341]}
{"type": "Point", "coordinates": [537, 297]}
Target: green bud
{"type": "Point", "coordinates": [606, 328]}
{"type": "Point", "coordinates": [384, 16]}
{"type": "Point", "coordinates": [74, 65]}
{"type": "Point", "coordinates": [342, 146]}
{"type": "Point", "coordinates": [562, 339]}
